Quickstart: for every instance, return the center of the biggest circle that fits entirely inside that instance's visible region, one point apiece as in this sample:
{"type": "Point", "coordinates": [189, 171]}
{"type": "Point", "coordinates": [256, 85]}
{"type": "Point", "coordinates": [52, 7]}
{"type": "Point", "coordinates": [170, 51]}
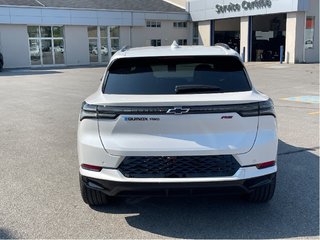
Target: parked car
{"type": "Point", "coordinates": [177, 120]}
{"type": "Point", "coordinates": [1, 62]}
{"type": "Point", "coordinates": [59, 49]}
{"type": "Point", "coordinates": [35, 52]}
{"type": "Point", "coordinates": [104, 50]}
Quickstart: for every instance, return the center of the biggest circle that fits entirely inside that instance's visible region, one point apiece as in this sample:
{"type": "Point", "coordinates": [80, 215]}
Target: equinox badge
{"type": "Point", "coordinates": [178, 110]}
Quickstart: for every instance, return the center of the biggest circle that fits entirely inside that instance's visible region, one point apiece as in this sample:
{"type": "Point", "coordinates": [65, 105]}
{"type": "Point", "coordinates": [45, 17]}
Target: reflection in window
{"type": "Point", "coordinates": [92, 32]}
{"type": "Point", "coordinates": [34, 46]}
{"type": "Point", "coordinates": [115, 32]}
{"type": "Point", "coordinates": [115, 39]}
{"type": "Point", "coordinates": [46, 32]}
{"type": "Point", "coordinates": [104, 44]}
{"type": "Point", "coordinates": [57, 31]}
{"type": "Point", "coordinates": [93, 44]}
{"type": "Point", "coordinates": [58, 51]}
{"type": "Point", "coordinates": [33, 32]}
{"type": "Point", "coordinates": [104, 41]}
{"type": "Point", "coordinates": [46, 45]}
{"type": "Point", "coordinates": [93, 50]}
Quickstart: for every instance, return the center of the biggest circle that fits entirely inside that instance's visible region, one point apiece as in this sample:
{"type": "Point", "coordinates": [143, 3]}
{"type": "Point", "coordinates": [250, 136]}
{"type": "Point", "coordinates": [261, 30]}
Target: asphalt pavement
{"type": "Point", "coordinates": [39, 189]}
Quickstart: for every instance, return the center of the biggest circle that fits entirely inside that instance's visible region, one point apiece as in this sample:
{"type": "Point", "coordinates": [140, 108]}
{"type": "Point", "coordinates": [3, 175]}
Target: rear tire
{"type": "Point", "coordinates": [1, 66]}
{"type": "Point", "coordinates": [91, 196]}
{"type": "Point", "coordinates": [263, 193]}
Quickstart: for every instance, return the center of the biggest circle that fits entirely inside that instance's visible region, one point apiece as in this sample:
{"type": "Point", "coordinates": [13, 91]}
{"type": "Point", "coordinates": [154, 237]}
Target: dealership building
{"type": "Point", "coordinates": [42, 33]}
{"type": "Point", "coordinates": [35, 33]}
{"type": "Point", "coordinates": [258, 28]}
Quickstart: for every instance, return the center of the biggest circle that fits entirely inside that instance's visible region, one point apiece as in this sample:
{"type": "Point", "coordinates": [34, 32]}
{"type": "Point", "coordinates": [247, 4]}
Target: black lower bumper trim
{"type": "Point", "coordinates": [112, 188]}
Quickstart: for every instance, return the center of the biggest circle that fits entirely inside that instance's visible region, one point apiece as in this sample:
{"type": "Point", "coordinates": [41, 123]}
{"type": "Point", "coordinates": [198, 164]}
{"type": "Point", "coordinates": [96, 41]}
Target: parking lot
{"type": "Point", "coordinates": [39, 189]}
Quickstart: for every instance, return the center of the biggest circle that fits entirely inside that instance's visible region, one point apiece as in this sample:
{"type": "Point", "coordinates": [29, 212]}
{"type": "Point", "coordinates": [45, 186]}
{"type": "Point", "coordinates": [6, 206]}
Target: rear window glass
{"type": "Point", "coordinates": [164, 75]}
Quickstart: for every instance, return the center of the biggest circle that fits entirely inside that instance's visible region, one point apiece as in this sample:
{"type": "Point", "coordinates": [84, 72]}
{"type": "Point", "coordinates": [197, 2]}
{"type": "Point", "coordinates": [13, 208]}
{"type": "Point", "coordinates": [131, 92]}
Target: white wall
{"type": "Point", "coordinates": [14, 46]}
{"type": "Point", "coordinates": [76, 45]}
{"type": "Point", "coordinates": [295, 37]}
{"type": "Point", "coordinates": [204, 33]}
{"type": "Point", "coordinates": [125, 36]}
{"type": "Point", "coordinates": [78, 17]}
{"type": "Point", "coordinates": [141, 36]}
{"type": "Point", "coordinates": [244, 37]}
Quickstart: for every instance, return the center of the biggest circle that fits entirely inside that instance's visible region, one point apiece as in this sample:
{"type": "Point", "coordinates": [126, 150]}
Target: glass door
{"type": "Point", "coordinates": [46, 50]}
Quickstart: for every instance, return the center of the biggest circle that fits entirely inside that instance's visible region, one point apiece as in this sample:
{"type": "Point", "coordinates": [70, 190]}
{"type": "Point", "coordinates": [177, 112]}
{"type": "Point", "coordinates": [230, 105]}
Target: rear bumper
{"type": "Point", "coordinates": [114, 188]}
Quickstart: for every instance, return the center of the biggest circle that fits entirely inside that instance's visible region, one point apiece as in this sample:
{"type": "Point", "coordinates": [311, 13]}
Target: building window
{"type": "Point", "coordinates": [180, 24]}
{"type": "Point", "coordinates": [182, 42]}
{"type": "Point", "coordinates": [115, 39]}
{"type": "Point", "coordinates": [153, 24]}
{"type": "Point", "coordinates": [195, 34]}
{"type": "Point", "coordinates": [104, 41]}
{"type": "Point", "coordinates": [155, 42]}
{"type": "Point", "coordinates": [93, 44]}
{"type": "Point", "coordinates": [46, 45]}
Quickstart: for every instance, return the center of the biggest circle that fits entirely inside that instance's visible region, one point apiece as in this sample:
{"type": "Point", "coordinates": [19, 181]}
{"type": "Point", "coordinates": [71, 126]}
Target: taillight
{"type": "Point", "coordinates": [257, 109]}
{"type": "Point", "coordinates": [266, 108]}
{"type": "Point", "coordinates": [112, 112]}
{"type": "Point", "coordinates": [266, 164]}
{"type": "Point", "coordinates": [88, 111]}
{"type": "Point", "coordinates": [91, 111]}
{"type": "Point", "coordinates": [91, 167]}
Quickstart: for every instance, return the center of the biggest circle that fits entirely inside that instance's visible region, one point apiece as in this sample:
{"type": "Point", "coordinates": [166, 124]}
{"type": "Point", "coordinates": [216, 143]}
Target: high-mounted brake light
{"type": "Point", "coordinates": [91, 167]}
{"type": "Point", "coordinates": [266, 164]}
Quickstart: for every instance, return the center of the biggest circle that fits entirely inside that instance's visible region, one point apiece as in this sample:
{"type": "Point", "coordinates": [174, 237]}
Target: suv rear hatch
{"type": "Point", "coordinates": [174, 106]}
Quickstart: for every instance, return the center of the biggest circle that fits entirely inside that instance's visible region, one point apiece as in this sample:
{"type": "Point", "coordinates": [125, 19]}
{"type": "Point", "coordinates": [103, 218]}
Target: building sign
{"type": "Point", "coordinates": [245, 5]}
{"type": "Point", "coordinates": [204, 10]}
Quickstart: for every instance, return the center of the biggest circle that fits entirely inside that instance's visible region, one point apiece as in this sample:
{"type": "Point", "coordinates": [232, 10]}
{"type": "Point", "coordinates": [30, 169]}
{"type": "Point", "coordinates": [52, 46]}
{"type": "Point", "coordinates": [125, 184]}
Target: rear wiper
{"type": "Point", "coordinates": [183, 89]}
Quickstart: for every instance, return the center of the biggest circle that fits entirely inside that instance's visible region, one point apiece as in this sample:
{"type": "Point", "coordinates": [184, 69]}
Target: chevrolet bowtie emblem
{"type": "Point", "coordinates": [178, 110]}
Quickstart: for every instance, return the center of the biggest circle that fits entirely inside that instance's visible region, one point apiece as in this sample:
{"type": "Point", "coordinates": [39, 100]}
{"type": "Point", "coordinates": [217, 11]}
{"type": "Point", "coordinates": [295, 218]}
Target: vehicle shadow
{"type": "Point", "coordinates": [6, 234]}
{"type": "Point", "coordinates": [45, 70]}
{"type": "Point", "coordinates": [293, 212]}
{"type": "Point", "coordinates": [27, 72]}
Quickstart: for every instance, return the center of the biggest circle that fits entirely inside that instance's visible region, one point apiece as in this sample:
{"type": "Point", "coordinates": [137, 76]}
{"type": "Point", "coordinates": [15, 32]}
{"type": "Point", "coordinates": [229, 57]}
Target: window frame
{"type": "Point", "coordinates": [158, 42]}
{"type": "Point", "coordinates": [153, 24]}
{"type": "Point", "coordinates": [180, 24]}
{"type": "Point", "coordinates": [39, 38]}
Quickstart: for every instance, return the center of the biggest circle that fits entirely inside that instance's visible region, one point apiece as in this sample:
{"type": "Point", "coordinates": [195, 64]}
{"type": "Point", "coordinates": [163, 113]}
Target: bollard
{"type": "Point", "coordinates": [244, 54]}
{"type": "Point", "coordinates": [281, 54]}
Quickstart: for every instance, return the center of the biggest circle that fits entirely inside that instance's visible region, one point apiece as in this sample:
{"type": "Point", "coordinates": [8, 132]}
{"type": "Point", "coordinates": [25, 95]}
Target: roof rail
{"type": "Point", "coordinates": [124, 48]}
{"type": "Point", "coordinates": [224, 45]}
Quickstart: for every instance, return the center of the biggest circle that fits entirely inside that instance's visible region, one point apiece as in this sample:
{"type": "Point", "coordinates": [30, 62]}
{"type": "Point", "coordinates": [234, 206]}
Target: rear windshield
{"type": "Point", "coordinates": [176, 75]}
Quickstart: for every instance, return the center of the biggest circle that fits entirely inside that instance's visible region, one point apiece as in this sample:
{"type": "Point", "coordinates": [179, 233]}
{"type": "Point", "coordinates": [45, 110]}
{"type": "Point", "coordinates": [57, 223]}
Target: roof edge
{"type": "Point", "coordinates": [93, 9]}
{"type": "Point", "coordinates": [176, 4]}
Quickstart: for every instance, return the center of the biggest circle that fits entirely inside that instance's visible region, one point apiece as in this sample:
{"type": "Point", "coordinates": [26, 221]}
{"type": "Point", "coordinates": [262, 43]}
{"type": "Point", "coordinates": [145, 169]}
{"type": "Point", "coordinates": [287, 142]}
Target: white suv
{"type": "Point", "coordinates": [177, 120]}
